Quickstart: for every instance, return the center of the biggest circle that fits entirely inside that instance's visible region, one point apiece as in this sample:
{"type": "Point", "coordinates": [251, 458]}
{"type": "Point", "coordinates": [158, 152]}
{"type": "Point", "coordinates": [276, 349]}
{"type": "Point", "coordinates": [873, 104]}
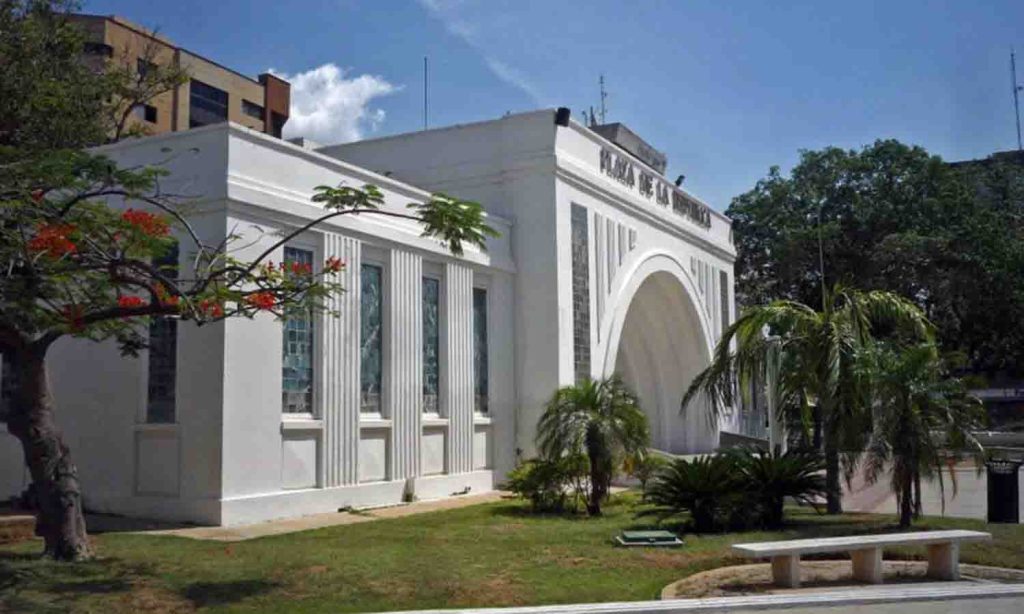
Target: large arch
{"type": "Point", "coordinates": [658, 339]}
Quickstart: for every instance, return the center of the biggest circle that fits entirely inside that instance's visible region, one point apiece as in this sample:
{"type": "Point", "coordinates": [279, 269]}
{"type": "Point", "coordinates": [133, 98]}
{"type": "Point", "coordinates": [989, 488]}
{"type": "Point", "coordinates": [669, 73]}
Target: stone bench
{"type": "Point", "coordinates": [866, 552]}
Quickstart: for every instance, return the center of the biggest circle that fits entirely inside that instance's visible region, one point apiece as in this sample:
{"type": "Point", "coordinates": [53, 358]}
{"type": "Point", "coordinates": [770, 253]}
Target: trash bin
{"type": "Point", "coordinates": [1003, 491]}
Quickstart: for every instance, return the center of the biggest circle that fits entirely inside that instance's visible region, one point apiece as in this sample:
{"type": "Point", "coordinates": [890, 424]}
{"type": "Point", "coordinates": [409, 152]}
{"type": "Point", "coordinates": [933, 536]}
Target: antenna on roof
{"type": "Point", "coordinates": [604, 96]}
{"type": "Point", "coordinates": [424, 92]}
{"type": "Point", "coordinates": [1016, 95]}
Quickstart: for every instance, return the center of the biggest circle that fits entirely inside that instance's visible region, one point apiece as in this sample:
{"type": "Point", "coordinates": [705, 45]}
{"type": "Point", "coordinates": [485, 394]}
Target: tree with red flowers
{"type": "Point", "coordinates": [84, 249]}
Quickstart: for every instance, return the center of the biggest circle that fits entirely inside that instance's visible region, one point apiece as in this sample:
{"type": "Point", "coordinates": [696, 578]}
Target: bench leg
{"type": "Point", "coordinates": [867, 565]}
{"type": "Point", "coordinates": [786, 570]}
{"type": "Point", "coordinates": [944, 561]}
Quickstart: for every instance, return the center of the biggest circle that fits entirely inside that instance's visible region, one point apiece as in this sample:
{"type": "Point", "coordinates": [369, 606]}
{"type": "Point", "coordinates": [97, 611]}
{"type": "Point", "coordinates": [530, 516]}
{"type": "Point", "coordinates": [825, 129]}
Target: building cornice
{"type": "Point", "coordinates": [577, 174]}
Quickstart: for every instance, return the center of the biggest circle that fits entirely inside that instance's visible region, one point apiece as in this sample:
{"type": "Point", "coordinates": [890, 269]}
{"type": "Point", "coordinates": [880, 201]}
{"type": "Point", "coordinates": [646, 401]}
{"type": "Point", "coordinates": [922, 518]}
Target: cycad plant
{"type": "Point", "coordinates": [600, 419]}
{"type": "Point", "coordinates": [820, 352]}
{"type": "Point", "coordinates": [769, 478]}
{"type": "Point", "coordinates": [922, 421]}
{"type": "Point", "coordinates": [708, 487]}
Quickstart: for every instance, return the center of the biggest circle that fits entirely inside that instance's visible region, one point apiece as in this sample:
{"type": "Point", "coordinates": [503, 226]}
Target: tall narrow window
{"type": "Point", "coordinates": [480, 349]}
{"type": "Point", "coordinates": [163, 355]}
{"type": "Point", "coordinates": [297, 358]}
{"type": "Point", "coordinates": [581, 290]}
{"type": "Point", "coordinates": [431, 344]}
{"type": "Point", "coordinates": [723, 290]}
{"type": "Point", "coordinates": [371, 339]}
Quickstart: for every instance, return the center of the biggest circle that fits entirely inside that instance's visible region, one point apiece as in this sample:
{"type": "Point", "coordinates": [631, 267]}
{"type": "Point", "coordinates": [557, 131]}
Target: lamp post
{"type": "Point", "coordinates": [776, 430]}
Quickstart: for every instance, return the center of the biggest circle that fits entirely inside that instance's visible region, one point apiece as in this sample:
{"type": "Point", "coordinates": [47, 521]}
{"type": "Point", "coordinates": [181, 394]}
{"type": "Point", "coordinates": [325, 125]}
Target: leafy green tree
{"type": "Point", "coordinates": [893, 217]}
{"type": "Point", "coordinates": [82, 243]}
{"type": "Point", "coordinates": [53, 96]}
{"type": "Point", "coordinates": [600, 419]}
{"type": "Point", "coordinates": [822, 354]}
{"type": "Point", "coordinates": [922, 420]}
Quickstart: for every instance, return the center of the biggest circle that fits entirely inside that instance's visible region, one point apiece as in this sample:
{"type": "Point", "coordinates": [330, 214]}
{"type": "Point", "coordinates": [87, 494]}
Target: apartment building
{"type": "Point", "coordinates": [214, 93]}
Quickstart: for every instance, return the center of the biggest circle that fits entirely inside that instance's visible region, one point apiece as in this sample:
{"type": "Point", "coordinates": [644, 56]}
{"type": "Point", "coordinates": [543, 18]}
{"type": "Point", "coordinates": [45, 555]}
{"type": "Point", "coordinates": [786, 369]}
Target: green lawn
{"type": "Point", "coordinates": [492, 554]}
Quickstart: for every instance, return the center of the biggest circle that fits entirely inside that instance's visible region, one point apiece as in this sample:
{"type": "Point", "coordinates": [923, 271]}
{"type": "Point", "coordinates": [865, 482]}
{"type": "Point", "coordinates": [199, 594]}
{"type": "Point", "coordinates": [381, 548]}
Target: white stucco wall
{"type": "Point", "coordinates": [962, 493]}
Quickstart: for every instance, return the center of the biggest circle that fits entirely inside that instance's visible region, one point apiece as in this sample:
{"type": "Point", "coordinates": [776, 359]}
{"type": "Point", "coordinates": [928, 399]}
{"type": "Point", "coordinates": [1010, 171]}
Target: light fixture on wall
{"type": "Point", "coordinates": [562, 116]}
{"type": "Point", "coordinates": [680, 179]}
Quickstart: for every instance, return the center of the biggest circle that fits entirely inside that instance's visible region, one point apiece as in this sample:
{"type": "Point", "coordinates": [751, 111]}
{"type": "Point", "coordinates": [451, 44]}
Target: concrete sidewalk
{"type": "Point", "coordinates": [933, 598]}
{"type": "Point", "coordinates": [330, 519]}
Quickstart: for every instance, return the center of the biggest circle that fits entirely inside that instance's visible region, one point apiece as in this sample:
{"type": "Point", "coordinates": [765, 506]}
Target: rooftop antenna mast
{"type": "Point", "coordinates": [1016, 95]}
{"type": "Point", "coordinates": [604, 96]}
{"type": "Point", "coordinates": [424, 92]}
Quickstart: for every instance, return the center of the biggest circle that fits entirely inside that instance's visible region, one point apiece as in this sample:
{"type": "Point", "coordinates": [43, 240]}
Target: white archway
{"type": "Point", "coordinates": [658, 339]}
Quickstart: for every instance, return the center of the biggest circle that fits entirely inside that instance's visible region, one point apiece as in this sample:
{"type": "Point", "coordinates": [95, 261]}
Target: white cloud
{"type": "Point", "coordinates": [330, 106]}
{"type": "Point", "coordinates": [452, 13]}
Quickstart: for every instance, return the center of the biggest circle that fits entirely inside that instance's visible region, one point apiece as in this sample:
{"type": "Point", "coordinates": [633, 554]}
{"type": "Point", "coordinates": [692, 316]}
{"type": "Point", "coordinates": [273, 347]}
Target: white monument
{"type": "Point", "coordinates": [431, 381]}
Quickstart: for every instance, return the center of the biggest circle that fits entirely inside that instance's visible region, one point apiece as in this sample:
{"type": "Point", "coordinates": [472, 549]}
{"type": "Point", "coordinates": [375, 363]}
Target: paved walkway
{"type": "Point", "coordinates": [320, 521]}
{"type": "Point", "coordinates": [933, 598]}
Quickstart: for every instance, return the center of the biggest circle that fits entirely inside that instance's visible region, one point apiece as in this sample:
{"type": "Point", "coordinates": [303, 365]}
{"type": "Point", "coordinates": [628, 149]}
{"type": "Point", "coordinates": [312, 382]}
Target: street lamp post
{"type": "Point", "coordinates": [776, 428]}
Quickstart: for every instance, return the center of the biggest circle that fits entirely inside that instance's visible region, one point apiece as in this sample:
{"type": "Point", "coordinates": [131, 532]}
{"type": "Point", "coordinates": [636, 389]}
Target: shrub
{"type": "Point", "coordinates": [550, 484]}
{"type": "Point", "coordinates": [708, 487]}
{"type": "Point", "coordinates": [645, 465]}
{"type": "Point", "coordinates": [769, 478]}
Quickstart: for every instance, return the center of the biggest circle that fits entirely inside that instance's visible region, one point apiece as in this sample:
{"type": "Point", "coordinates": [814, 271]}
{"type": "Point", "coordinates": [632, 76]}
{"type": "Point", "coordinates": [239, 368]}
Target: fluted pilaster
{"type": "Point", "coordinates": [340, 368]}
{"type": "Point", "coordinates": [405, 342]}
{"type": "Point", "coordinates": [459, 372]}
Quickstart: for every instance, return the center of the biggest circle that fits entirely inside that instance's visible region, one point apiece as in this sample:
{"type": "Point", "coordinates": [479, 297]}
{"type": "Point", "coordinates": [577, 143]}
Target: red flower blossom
{"type": "Point", "coordinates": [262, 300]}
{"type": "Point", "coordinates": [334, 265]}
{"type": "Point", "coordinates": [52, 240]}
{"type": "Point", "coordinates": [147, 223]}
{"type": "Point", "coordinates": [129, 301]}
{"type": "Point", "coordinates": [37, 195]}
{"type": "Point", "coordinates": [301, 268]}
{"type": "Point", "coordinates": [166, 298]}
{"type": "Point", "coordinates": [211, 308]}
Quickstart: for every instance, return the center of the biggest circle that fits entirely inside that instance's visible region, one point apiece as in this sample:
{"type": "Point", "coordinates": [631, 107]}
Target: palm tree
{"type": "Point", "coordinates": [921, 418]}
{"type": "Point", "coordinates": [600, 419]}
{"type": "Point", "coordinates": [819, 352]}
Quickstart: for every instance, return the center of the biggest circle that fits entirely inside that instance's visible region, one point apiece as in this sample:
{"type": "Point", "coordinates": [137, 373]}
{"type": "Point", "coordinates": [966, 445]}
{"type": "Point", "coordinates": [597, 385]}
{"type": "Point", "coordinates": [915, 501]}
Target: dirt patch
{"type": "Point", "coordinates": [495, 591]}
{"type": "Point", "coordinates": [757, 579]}
{"type": "Point", "coordinates": [145, 597]}
{"type": "Point", "coordinates": [508, 527]}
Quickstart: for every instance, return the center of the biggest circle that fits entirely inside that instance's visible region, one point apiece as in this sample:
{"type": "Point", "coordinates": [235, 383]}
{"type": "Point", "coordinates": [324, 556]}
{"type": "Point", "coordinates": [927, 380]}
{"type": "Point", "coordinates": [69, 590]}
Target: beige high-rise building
{"type": "Point", "coordinates": [213, 94]}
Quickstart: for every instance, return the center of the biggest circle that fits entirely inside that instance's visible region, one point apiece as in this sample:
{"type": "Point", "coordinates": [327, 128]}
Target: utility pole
{"type": "Point", "coordinates": [1016, 95]}
{"type": "Point", "coordinates": [604, 96]}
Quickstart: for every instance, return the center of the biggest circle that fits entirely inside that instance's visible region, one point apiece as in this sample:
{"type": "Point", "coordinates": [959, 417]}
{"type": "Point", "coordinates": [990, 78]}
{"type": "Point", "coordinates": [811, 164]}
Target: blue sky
{"type": "Point", "coordinates": [726, 89]}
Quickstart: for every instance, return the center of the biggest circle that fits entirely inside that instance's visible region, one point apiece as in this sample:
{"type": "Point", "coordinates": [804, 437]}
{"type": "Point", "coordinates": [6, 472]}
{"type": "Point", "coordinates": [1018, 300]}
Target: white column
{"type": "Point", "coordinates": [786, 570]}
{"type": "Point", "coordinates": [458, 376]}
{"type": "Point", "coordinates": [867, 565]}
{"type": "Point", "coordinates": [405, 373]}
{"type": "Point", "coordinates": [944, 561]}
{"type": "Point", "coordinates": [339, 372]}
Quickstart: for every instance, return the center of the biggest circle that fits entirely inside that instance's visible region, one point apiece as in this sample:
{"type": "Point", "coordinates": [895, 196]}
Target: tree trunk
{"type": "Point", "coordinates": [600, 470]}
{"type": "Point", "coordinates": [917, 494]}
{"type": "Point", "coordinates": [59, 518]}
{"type": "Point", "coordinates": [906, 500]}
{"type": "Point", "coordinates": [833, 489]}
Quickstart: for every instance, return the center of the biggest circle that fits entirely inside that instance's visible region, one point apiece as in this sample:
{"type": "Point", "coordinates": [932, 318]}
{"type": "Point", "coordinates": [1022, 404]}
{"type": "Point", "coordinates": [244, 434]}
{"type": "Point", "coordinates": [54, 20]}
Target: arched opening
{"type": "Point", "coordinates": [662, 346]}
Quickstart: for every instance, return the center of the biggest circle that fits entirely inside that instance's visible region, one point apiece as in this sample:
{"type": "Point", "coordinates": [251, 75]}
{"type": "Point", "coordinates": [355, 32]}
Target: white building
{"type": "Point", "coordinates": [603, 266]}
